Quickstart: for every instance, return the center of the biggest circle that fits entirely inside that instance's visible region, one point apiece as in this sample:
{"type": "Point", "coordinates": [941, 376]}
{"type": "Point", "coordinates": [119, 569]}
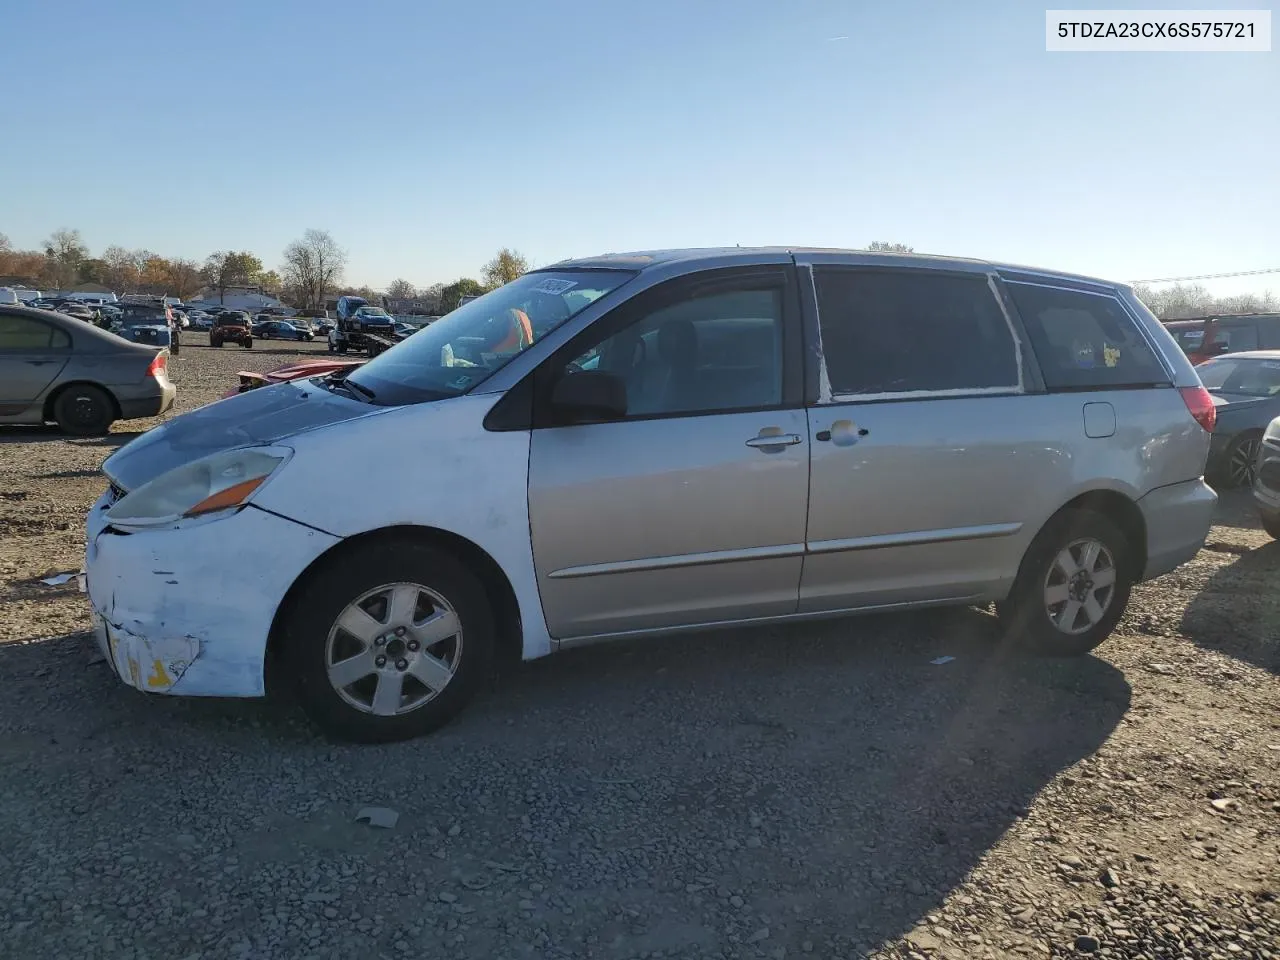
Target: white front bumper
{"type": "Point", "coordinates": [188, 611]}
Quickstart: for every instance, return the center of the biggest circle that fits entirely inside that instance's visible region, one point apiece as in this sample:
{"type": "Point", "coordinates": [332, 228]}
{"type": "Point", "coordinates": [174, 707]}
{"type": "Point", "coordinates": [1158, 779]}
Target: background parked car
{"type": "Point", "coordinates": [280, 330]}
{"type": "Point", "coordinates": [147, 321]}
{"type": "Point", "coordinates": [1246, 391]}
{"type": "Point", "coordinates": [1266, 479]}
{"type": "Point", "coordinates": [231, 326]}
{"type": "Point", "coordinates": [302, 369]}
{"type": "Point", "coordinates": [1208, 337]}
{"type": "Point", "coordinates": [81, 311]}
{"type": "Point", "coordinates": [56, 368]}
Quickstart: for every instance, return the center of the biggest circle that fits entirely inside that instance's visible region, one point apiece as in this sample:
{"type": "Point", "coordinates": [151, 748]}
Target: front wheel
{"type": "Point", "coordinates": [388, 642]}
{"type": "Point", "coordinates": [248, 344]}
{"type": "Point", "coordinates": [1072, 587]}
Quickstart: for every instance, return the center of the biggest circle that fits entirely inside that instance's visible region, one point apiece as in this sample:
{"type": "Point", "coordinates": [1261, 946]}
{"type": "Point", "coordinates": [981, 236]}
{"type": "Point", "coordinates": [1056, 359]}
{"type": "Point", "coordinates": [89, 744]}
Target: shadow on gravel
{"type": "Point", "coordinates": [827, 782]}
{"type": "Point", "coordinates": [48, 433]}
{"type": "Point", "coordinates": [1236, 509]}
{"type": "Point", "coordinates": [1238, 611]}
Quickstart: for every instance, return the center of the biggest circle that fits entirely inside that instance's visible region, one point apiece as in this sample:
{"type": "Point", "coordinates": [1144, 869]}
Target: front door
{"type": "Point", "coordinates": [927, 454]}
{"type": "Point", "coordinates": [690, 509]}
{"type": "Point", "coordinates": [32, 354]}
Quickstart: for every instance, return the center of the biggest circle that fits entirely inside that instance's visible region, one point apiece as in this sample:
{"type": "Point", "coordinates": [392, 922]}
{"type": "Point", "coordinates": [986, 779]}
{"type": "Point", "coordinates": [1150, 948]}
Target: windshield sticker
{"type": "Point", "coordinates": [553, 286]}
{"type": "Point", "coordinates": [1110, 354]}
{"type": "Point", "coordinates": [461, 383]}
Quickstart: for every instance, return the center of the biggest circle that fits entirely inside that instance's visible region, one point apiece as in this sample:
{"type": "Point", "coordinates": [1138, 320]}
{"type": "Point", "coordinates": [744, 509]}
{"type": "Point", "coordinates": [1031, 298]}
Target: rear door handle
{"type": "Point", "coordinates": [39, 363]}
{"type": "Point", "coordinates": [779, 440]}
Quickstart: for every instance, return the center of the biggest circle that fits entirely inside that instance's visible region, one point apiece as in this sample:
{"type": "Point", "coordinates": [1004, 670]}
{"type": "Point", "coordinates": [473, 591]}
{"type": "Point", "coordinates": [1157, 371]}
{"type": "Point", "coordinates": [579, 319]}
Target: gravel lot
{"type": "Point", "coordinates": [821, 790]}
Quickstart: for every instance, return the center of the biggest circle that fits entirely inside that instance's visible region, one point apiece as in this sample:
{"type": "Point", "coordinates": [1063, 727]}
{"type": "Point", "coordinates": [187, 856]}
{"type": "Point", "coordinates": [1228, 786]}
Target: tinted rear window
{"type": "Point", "coordinates": [1085, 341]}
{"type": "Point", "coordinates": [902, 332]}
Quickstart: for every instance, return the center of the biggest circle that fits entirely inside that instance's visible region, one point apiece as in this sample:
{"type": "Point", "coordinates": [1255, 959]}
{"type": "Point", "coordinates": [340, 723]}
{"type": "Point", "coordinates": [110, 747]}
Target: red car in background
{"type": "Point", "coordinates": [290, 371]}
{"type": "Point", "coordinates": [1204, 338]}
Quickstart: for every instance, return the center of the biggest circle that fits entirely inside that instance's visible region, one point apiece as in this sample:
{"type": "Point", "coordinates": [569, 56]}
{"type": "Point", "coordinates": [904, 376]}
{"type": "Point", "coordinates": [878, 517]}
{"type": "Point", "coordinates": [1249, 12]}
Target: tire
{"type": "Point", "coordinates": [342, 348]}
{"type": "Point", "coordinates": [312, 640]}
{"type": "Point", "coordinates": [1239, 463]}
{"type": "Point", "coordinates": [84, 410]}
{"type": "Point", "coordinates": [247, 344]}
{"type": "Point", "coordinates": [1026, 614]}
{"type": "Point", "coordinates": [1271, 524]}
{"type": "Point", "coordinates": [332, 348]}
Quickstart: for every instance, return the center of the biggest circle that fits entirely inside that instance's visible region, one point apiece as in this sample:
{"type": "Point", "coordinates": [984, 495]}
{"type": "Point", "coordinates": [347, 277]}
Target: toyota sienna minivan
{"type": "Point", "coordinates": [635, 444]}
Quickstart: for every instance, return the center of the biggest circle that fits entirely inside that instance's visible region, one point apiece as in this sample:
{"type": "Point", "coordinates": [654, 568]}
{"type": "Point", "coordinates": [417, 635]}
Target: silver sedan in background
{"type": "Point", "coordinates": [56, 368]}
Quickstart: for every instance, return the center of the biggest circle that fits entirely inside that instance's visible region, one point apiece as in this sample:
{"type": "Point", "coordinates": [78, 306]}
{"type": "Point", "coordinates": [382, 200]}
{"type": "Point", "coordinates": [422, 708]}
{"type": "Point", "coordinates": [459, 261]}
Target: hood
{"type": "Point", "coordinates": [263, 416]}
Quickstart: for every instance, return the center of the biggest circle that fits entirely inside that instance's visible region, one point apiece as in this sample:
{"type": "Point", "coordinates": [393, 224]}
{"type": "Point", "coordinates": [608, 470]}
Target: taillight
{"type": "Point", "coordinates": [159, 363]}
{"type": "Point", "coordinates": [1200, 405]}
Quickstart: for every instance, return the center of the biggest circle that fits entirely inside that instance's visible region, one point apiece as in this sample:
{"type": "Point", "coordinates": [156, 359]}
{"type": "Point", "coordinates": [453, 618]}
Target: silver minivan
{"type": "Point", "coordinates": [636, 444]}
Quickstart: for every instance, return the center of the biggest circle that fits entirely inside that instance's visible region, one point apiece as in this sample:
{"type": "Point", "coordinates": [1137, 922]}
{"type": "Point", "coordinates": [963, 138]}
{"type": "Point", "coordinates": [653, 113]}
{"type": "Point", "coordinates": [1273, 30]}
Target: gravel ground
{"type": "Point", "coordinates": [818, 790]}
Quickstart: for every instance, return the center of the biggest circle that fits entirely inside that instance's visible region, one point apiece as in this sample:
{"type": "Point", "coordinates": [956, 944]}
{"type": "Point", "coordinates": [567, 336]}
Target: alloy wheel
{"type": "Point", "coordinates": [1080, 585]}
{"type": "Point", "coordinates": [394, 649]}
{"type": "Point", "coordinates": [1243, 465]}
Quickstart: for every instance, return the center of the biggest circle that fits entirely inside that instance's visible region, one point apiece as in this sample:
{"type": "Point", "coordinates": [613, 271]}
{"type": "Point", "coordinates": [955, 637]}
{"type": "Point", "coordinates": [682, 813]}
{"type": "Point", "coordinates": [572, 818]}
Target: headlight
{"type": "Point", "coordinates": [1273, 430]}
{"type": "Point", "coordinates": [223, 481]}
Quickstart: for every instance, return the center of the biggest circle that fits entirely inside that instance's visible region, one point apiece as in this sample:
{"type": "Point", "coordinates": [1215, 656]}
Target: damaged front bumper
{"type": "Point", "coordinates": [188, 610]}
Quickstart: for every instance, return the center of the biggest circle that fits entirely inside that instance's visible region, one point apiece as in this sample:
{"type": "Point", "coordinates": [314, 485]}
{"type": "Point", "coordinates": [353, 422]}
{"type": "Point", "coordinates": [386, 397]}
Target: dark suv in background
{"type": "Point", "coordinates": [231, 327]}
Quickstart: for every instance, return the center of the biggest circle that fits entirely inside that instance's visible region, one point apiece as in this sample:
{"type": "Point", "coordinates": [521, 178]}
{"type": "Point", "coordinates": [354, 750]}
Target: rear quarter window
{"type": "Point", "coordinates": [1085, 341]}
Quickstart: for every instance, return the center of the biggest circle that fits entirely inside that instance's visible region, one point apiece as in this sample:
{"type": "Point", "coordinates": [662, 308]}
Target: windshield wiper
{"type": "Point", "coordinates": [339, 379]}
{"type": "Point", "coordinates": [352, 385]}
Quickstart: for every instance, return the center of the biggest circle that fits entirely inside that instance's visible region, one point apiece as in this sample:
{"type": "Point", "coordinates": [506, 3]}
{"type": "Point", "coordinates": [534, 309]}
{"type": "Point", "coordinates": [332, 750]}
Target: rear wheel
{"type": "Point", "coordinates": [247, 344]}
{"type": "Point", "coordinates": [1072, 587]}
{"type": "Point", "coordinates": [84, 410]}
{"type": "Point", "coordinates": [390, 642]}
{"type": "Point", "coordinates": [1240, 463]}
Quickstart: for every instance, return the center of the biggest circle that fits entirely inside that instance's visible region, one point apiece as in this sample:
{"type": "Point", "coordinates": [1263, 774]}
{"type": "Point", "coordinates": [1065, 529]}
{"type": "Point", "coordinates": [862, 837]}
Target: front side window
{"type": "Point", "coordinates": [23, 333]}
{"type": "Point", "coordinates": [1085, 341]}
{"type": "Point", "coordinates": [475, 341]}
{"type": "Point", "coordinates": [713, 353]}
{"type": "Point", "coordinates": [899, 333]}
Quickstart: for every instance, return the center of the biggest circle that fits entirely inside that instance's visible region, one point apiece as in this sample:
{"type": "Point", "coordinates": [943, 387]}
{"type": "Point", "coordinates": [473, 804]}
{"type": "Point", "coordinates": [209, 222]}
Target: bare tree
{"type": "Point", "coordinates": [122, 269]}
{"type": "Point", "coordinates": [401, 290]}
{"type": "Point", "coordinates": [5, 245]}
{"type": "Point", "coordinates": [312, 267]}
{"type": "Point", "coordinates": [884, 246]}
{"type": "Point", "coordinates": [506, 265]}
{"type": "Point", "coordinates": [1182, 301]}
{"type": "Point", "coordinates": [64, 251]}
{"type": "Point", "coordinates": [185, 277]}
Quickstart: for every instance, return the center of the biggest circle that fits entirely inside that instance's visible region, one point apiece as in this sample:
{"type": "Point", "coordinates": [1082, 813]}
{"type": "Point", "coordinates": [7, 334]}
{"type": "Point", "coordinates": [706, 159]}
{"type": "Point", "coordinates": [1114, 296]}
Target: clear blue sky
{"type": "Point", "coordinates": [424, 135]}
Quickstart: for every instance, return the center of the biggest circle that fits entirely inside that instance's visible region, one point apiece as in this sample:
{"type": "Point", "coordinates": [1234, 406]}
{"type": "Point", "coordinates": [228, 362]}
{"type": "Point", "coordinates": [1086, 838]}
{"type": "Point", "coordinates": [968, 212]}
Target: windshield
{"type": "Point", "coordinates": [1252, 378]}
{"type": "Point", "coordinates": [371, 312]}
{"type": "Point", "coordinates": [231, 320]}
{"type": "Point", "coordinates": [462, 349]}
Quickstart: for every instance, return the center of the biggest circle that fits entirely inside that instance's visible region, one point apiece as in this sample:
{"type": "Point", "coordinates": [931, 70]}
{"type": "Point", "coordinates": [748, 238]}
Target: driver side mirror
{"type": "Point", "coordinates": [589, 396]}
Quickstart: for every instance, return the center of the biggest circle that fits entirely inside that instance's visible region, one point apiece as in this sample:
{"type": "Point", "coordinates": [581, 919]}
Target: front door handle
{"type": "Point", "coordinates": [775, 440]}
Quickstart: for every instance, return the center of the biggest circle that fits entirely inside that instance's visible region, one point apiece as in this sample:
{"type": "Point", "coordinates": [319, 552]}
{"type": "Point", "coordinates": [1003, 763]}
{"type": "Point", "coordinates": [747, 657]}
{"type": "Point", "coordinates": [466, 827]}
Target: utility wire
{"type": "Point", "coordinates": [1211, 276]}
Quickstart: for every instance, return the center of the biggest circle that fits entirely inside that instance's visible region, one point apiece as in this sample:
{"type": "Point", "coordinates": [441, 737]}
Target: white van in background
{"type": "Point", "coordinates": [9, 296]}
